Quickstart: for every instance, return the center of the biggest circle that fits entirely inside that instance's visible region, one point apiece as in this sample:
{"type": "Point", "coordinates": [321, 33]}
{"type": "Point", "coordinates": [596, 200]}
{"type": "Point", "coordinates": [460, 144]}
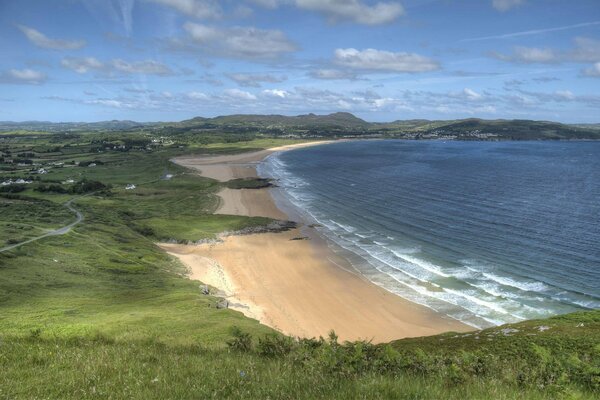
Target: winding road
{"type": "Point", "coordinates": [60, 231]}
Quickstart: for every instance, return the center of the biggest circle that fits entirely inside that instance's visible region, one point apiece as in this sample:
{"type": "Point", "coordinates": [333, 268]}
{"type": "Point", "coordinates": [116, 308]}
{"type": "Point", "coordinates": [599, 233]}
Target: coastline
{"type": "Point", "coordinates": [299, 287]}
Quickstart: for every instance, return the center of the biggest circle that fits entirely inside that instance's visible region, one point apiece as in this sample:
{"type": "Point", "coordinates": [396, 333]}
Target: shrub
{"type": "Point", "coordinates": [35, 333]}
{"type": "Point", "coordinates": [274, 345]}
{"type": "Point", "coordinates": [143, 230]}
{"type": "Point", "coordinates": [241, 341]}
{"type": "Point", "coordinates": [87, 186]}
{"type": "Point", "coordinates": [12, 188]}
{"type": "Point", "coordinates": [51, 188]}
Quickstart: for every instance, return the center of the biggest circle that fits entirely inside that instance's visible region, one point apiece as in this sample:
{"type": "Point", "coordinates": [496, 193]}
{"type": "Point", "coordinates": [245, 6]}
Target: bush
{"type": "Point", "coordinates": [12, 188]}
{"type": "Point", "coordinates": [143, 230]}
{"type": "Point", "coordinates": [54, 188]}
{"type": "Point", "coordinates": [275, 345]}
{"type": "Point", "coordinates": [87, 186]}
{"type": "Point", "coordinates": [241, 341]}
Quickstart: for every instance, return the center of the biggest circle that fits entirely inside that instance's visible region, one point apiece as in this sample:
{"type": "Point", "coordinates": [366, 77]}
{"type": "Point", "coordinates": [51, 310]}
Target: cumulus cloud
{"type": "Point", "coordinates": [354, 10]}
{"type": "Point", "coordinates": [593, 71]}
{"type": "Point", "coordinates": [255, 80]}
{"type": "Point", "coordinates": [202, 9]}
{"type": "Point", "coordinates": [23, 76]}
{"type": "Point", "coordinates": [197, 96]}
{"type": "Point", "coordinates": [505, 5]}
{"type": "Point", "coordinates": [564, 95]}
{"type": "Point", "coordinates": [82, 65]}
{"type": "Point", "coordinates": [561, 96]}
{"type": "Point", "coordinates": [470, 94]}
{"type": "Point", "coordinates": [148, 67]}
{"type": "Point", "coordinates": [357, 11]}
{"type": "Point", "coordinates": [86, 64]}
{"type": "Point", "coordinates": [384, 61]}
{"type": "Point", "coordinates": [586, 50]}
{"type": "Point", "coordinates": [39, 39]}
{"type": "Point", "coordinates": [332, 74]}
{"type": "Point", "coordinates": [243, 42]}
{"type": "Point", "coordinates": [266, 3]}
{"type": "Point", "coordinates": [238, 94]}
{"type": "Point", "coordinates": [529, 55]}
{"type": "Point", "coordinates": [275, 93]}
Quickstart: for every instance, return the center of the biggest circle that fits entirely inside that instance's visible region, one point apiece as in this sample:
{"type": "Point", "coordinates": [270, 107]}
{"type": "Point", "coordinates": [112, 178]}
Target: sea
{"type": "Point", "coordinates": [485, 232]}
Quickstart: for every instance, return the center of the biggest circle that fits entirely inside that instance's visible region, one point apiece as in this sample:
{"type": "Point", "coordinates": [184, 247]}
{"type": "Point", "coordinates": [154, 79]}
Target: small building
{"type": "Point", "coordinates": [130, 186]}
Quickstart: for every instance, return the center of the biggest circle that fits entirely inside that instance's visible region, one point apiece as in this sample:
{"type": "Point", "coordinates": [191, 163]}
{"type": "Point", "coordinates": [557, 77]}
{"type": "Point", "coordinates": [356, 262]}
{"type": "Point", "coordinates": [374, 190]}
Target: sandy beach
{"type": "Point", "coordinates": [300, 287]}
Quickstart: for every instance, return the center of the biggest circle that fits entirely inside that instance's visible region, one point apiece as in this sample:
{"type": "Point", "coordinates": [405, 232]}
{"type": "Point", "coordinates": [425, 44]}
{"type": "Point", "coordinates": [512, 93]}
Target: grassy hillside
{"type": "Point", "coordinates": [106, 276]}
{"type": "Point", "coordinates": [551, 359]}
{"type": "Point", "coordinates": [101, 312]}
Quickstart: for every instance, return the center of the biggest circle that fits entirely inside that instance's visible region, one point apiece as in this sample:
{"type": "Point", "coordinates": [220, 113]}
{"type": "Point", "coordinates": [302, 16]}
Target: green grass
{"type": "Point", "coordinates": [102, 312]}
{"type": "Point", "coordinates": [22, 219]}
{"type": "Point", "coordinates": [561, 362]}
{"type": "Point", "coordinates": [107, 275]}
{"type": "Point", "coordinates": [195, 228]}
{"type": "Point", "coordinates": [248, 183]}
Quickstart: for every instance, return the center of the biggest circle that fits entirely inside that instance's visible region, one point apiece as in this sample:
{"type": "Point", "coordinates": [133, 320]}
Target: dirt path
{"type": "Point", "coordinates": [60, 231]}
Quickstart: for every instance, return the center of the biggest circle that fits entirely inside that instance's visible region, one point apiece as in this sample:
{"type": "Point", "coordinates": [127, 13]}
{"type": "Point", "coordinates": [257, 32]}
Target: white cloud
{"type": "Point", "coordinates": [275, 93]}
{"type": "Point", "coordinates": [266, 3]}
{"type": "Point", "coordinates": [23, 76]}
{"type": "Point", "coordinates": [354, 10]}
{"type": "Point", "coordinates": [470, 94]}
{"type": "Point", "coordinates": [202, 9]}
{"type": "Point", "coordinates": [41, 40]}
{"type": "Point", "coordinates": [593, 71]}
{"type": "Point", "coordinates": [238, 94]}
{"type": "Point", "coordinates": [255, 80]}
{"type": "Point", "coordinates": [332, 74]}
{"type": "Point", "coordinates": [148, 67]}
{"type": "Point", "coordinates": [197, 96]}
{"type": "Point", "coordinates": [87, 64]}
{"type": "Point", "coordinates": [358, 11]}
{"type": "Point", "coordinates": [243, 42]}
{"type": "Point", "coordinates": [82, 65]}
{"type": "Point", "coordinates": [533, 55]}
{"type": "Point", "coordinates": [109, 103]}
{"type": "Point", "coordinates": [564, 94]}
{"type": "Point", "coordinates": [584, 50]}
{"type": "Point", "coordinates": [379, 60]}
{"type": "Point", "coordinates": [505, 5]}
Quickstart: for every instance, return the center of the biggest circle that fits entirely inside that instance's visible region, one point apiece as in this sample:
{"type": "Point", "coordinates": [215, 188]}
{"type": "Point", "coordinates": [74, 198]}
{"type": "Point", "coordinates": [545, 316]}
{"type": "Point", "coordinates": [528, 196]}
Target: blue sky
{"type": "Point", "coordinates": [383, 60]}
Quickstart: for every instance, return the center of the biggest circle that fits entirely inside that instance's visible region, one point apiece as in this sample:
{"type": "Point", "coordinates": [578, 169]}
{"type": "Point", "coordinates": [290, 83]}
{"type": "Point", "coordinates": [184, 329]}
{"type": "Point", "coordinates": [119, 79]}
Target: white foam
{"type": "Point", "coordinates": [523, 285]}
{"type": "Point", "coordinates": [421, 263]}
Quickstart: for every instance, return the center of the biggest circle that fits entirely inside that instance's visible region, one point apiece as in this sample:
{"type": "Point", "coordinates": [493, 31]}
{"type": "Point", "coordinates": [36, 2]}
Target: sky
{"type": "Point", "coordinates": [382, 60]}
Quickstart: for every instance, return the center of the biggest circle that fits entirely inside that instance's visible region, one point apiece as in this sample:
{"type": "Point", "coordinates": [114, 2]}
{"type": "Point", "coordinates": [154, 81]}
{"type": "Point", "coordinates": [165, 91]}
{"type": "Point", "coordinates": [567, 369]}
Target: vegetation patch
{"type": "Point", "coordinates": [249, 183]}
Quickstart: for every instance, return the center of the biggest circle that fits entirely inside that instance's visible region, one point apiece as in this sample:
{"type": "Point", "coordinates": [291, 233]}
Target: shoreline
{"type": "Point", "coordinates": [299, 287]}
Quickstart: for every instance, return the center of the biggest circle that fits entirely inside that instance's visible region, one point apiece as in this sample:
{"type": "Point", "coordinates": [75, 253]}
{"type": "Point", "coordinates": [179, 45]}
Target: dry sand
{"type": "Point", "coordinates": [300, 287]}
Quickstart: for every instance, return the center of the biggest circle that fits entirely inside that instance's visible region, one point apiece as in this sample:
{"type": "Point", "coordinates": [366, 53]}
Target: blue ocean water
{"type": "Point", "coordinates": [485, 232]}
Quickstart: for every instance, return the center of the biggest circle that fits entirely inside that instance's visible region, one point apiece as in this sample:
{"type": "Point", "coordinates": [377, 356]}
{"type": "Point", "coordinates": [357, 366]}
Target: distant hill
{"type": "Point", "coordinates": [45, 126]}
{"type": "Point", "coordinates": [518, 129]}
{"type": "Point", "coordinates": [340, 119]}
{"type": "Point", "coordinates": [340, 124]}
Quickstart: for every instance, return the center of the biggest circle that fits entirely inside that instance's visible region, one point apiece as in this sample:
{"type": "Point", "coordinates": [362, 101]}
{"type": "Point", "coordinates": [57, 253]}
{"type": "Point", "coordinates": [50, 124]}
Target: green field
{"type": "Point", "coordinates": [102, 312]}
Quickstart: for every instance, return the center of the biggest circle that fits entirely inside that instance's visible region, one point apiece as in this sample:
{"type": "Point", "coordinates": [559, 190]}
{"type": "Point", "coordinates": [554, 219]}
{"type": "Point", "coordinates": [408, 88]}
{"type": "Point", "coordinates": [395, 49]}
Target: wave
{"type": "Point", "coordinates": [528, 286]}
{"type": "Point", "coordinates": [470, 291]}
